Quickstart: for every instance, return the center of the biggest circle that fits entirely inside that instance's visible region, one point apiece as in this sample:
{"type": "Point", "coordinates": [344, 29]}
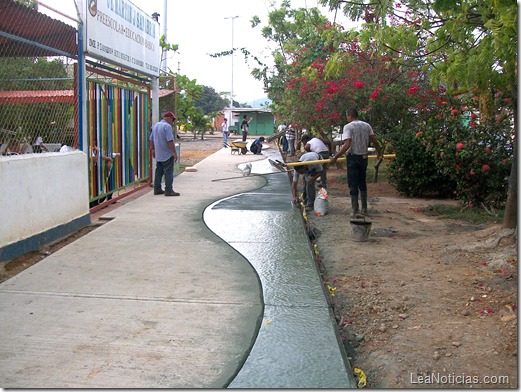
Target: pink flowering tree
{"type": "Point", "coordinates": [445, 140]}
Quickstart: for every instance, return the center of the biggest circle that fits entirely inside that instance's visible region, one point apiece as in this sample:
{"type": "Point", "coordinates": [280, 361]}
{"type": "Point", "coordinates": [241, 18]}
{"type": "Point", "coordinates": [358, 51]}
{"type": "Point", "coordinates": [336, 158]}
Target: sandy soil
{"type": "Point", "coordinates": [424, 303]}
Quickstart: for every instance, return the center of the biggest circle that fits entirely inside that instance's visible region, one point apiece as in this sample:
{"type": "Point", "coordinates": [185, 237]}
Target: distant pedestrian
{"type": "Point", "coordinates": [38, 145]}
{"type": "Point", "coordinates": [256, 146]}
{"type": "Point", "coordinates": [283, 140]}
{"type": "Point", "coordinates": [291, 135]}
{"type": "Point", "coordinates": [165, 154]}
{"type": "Point", "coordinates": [245, 127]}
{"type": "Point", "coordinates": [357, 135]}
{"type": "Point", "coordinates": [321, 147]}
{"type": "Point", "coordinates": [226, 132]}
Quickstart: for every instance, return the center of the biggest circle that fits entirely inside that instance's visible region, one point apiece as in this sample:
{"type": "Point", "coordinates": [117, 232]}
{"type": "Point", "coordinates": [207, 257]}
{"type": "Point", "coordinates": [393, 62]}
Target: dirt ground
{"type": "Point", "coordinates": [424, 303]}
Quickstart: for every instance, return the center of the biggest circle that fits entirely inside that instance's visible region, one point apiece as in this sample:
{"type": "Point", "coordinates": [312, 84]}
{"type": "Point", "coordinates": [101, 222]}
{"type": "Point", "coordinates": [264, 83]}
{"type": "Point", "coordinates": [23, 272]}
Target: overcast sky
{"type": "Point", "coordinates": [200, 28]}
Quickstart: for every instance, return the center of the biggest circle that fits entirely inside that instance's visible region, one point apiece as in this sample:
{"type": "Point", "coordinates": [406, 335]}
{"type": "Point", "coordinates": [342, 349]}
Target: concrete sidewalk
{"type": "Point", "coordinates": [215, 288]}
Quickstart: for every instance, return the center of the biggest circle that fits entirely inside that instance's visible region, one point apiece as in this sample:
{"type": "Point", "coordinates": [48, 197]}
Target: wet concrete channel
{"type": "Point", "coordinates": [297, 345]}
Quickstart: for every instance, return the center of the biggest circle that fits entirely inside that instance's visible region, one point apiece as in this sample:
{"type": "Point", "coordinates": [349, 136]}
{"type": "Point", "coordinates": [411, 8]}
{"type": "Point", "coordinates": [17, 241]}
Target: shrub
{"type": "Point", "coordinates": [475, 155]}
{"type": "Point", "coordinates": [413, 171]}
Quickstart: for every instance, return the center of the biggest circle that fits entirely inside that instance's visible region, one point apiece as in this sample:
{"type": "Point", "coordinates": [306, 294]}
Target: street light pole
{"type": "Point", "coordinates": [231, 94]}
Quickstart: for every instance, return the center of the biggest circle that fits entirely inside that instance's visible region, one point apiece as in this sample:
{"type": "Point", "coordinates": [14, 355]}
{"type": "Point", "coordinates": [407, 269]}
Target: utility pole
{"type": "Point", "coordinates": [231, 93]}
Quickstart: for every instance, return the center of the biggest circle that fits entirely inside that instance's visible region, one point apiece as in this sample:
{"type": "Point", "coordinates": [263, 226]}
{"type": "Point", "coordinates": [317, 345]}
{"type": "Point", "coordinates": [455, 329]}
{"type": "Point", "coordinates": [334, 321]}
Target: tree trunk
{"type": "Point", "coordinates": [510, 216]}
{"type": "Point", "coordinates": [376, 167]}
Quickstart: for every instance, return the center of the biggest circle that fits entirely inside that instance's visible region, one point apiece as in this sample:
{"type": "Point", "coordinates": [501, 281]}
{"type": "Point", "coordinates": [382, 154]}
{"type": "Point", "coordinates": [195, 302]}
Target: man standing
{"type": "Point", "coordinates": [357, 134]}
{"type": "Point", "coordinates": [226, 132]}
{"type": "Point", "coordinates": [310, 173]}
{"type": "Point", "coordinates": [163, 151]}
{"type": "Point", "coordinates": [291, 135]}
{"type": "Point", "coordinates": [245, 127]}
{"type": "Point", "coordinates": [283, 140]}
{"type": "Point", "coordinates": [319, 146]}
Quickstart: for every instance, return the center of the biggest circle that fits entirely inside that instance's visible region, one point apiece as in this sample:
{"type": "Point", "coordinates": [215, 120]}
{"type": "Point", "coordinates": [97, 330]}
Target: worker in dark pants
{"type": "Point", "coordinates": [309, 174]}
{"type": "Point", "coordinates": [357, 135]}
{"type": "Point", "coordinates": [321, 147]}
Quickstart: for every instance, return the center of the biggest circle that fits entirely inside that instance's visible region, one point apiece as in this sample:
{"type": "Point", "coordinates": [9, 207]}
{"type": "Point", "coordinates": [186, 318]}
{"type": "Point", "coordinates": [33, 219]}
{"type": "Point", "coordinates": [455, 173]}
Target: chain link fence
{"type": "Point", "coordinates": [37, 95]}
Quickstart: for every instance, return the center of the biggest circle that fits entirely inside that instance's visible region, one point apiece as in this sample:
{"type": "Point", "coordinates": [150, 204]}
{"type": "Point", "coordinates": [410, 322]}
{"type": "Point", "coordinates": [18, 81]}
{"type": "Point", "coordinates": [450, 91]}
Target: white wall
{"type": "Point", "coordinates": [39, 192]}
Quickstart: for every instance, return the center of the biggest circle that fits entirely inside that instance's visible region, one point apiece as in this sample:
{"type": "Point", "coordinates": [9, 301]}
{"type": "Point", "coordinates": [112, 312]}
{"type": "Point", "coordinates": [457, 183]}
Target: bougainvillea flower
{"type": "Point", "coordinates": [374, 95]}
{"type": "Point", "coordinates": [413, 90]}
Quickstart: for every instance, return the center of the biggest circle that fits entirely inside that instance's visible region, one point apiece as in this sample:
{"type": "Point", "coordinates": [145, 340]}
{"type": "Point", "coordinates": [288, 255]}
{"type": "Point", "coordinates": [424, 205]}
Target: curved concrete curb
{"type": "Point", "coordinates": [297, 345]}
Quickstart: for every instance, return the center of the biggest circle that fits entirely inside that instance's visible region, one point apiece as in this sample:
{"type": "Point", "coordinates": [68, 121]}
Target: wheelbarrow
{"type": "Point", "coordinates": [238, 145]}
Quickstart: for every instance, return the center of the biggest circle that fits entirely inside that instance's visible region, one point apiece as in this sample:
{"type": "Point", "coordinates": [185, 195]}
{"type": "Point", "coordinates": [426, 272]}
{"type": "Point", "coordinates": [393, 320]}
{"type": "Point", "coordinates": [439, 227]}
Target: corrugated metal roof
{"type": "Point", "coordinates": [45, 96]}
{"type": "Point", "coordinates": [62, 96]}
{"type": "Point", "coordinates": [38, 31]}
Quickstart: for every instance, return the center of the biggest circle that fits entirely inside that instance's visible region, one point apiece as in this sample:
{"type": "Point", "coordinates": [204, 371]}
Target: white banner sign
{"type": "Point", "coordinates": [120, 33]}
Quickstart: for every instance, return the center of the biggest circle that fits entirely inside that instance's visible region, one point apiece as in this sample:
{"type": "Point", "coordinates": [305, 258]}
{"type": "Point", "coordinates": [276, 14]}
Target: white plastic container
{"type": "Point", "coordinates": [321, 203]}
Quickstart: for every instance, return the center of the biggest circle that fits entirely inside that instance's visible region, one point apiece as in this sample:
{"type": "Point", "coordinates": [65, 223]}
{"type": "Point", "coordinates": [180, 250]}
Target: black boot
{"type": "Point", "coordinates": [363, 198]}
{"type": "Point", "coordinates": [354, 206]}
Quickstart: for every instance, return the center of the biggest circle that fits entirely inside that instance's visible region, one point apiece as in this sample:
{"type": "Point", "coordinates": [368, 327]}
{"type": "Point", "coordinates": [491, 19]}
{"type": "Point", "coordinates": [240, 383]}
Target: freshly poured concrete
{"type": "Point", "coordinates": [297, 346]}
{"type": "Point", "coordinates": [154, 299]}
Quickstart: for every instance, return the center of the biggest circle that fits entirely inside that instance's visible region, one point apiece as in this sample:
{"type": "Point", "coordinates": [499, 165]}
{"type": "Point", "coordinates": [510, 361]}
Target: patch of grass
{"type": "Point", "coordinates": [470, 215]}
{"type": "Point", "coordinates": [383, 173]}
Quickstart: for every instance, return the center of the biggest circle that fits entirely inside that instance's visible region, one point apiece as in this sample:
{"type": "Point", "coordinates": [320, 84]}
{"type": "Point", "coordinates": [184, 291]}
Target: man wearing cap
{"type": "Point", "coordinates": [163, 151]}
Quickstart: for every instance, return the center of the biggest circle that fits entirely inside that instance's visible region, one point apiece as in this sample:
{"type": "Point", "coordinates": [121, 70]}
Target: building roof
{"type": "Point", "coordinates": [25, 32]}
{"type": "Point", "coordinates": [37, 96]}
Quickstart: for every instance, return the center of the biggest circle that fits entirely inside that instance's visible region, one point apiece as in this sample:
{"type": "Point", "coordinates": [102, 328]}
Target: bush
{"type": "Point", "coordinates": [414, 171]}
{"type": "Point", "coordinates": [475, 156]}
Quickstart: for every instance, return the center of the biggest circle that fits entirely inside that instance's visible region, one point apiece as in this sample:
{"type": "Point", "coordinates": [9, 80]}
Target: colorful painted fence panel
{"type": "Point", "coordinates": [118, 126]}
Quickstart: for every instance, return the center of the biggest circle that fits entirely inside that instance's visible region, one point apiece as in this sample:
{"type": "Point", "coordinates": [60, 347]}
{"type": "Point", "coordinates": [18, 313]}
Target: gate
{"type": "Point", "coordinates": [118, 118]}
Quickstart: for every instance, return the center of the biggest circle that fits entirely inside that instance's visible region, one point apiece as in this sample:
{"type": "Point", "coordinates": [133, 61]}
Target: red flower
{"type": "Point", "coordinates": [413, 90]}
{"type": "Point", "coordinates": [473, 115]}
{"type": "Point", "coordinates": [332, 88]}
{"type": "Point", "coordinates": [485, 167]}
{"type": "Point", "coordinates": [472, 172]}
{"type": "Point", "coordinates": [454, 112]}
{"type": "Point", "coordinates": [460, 145]}
{"type": "Point", "coordinates": [374, 95]}
{"type": "Point", "coordinates": [359, 84]}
